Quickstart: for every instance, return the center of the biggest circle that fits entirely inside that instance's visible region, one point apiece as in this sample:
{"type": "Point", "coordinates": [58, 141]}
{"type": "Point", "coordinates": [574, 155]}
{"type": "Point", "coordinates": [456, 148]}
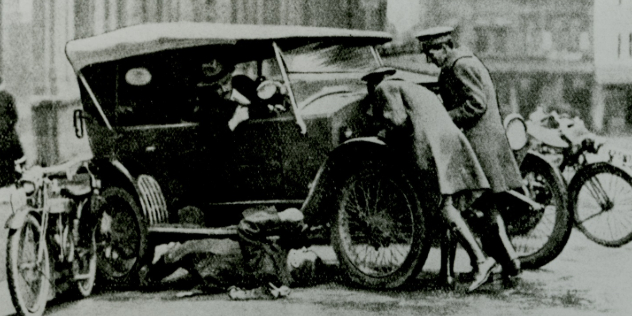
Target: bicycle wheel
{"type": "Point", "coordinates": [378, 233]}
{"type": "Point", "coordinates": [601, 202]}
{"type": "Point", "coordinates": [28, 276]}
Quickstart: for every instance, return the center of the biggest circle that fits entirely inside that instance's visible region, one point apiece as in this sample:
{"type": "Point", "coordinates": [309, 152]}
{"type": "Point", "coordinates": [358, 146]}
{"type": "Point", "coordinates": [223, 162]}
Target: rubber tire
{"type": "Point", "coordinates": [130, 278]}
{"type": "Point", "coordinates": [85, 291]}
{"type": "Point", "coordinates": [419, 248]}
{"type": "Point", "coordinates": [583, 175]}
{"type": "Point", "coordinates": [563, 222]}
{"type": "Point", "coordinates": [12, 273]}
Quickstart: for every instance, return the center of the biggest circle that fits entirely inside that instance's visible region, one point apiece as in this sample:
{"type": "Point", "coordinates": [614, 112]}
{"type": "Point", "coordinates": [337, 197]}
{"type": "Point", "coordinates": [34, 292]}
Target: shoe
{"type": "Point", "coordinates": [145, 282]}
{"type": "Point", "coordinates": [512, 269]}
{"type": "Point", "coordinates": [449, 283]}
{"type": "Point", "coordinates": [483, 276]}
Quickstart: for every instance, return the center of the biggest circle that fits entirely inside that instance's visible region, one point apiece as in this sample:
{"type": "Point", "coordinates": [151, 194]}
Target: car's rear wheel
{"type": "Point", "coordinates": [378, 233]}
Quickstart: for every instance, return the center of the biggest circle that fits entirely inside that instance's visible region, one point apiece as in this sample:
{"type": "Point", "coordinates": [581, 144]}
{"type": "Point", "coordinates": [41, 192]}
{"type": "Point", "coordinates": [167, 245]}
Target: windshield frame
{"type": "Point", "coordinates": [372, 51]}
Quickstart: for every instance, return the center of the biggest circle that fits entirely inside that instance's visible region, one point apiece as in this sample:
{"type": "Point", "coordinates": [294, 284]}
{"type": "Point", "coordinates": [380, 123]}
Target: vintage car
{"type": "Point", "coordinates": [309, 143]}
{"type": "Point", "coordinates": [307, 132]}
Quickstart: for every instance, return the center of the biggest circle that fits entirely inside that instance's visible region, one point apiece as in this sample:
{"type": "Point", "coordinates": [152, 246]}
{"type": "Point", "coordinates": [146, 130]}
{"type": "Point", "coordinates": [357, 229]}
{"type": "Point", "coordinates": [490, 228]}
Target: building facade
{"type": "Point", "coordinates": [572, 56]}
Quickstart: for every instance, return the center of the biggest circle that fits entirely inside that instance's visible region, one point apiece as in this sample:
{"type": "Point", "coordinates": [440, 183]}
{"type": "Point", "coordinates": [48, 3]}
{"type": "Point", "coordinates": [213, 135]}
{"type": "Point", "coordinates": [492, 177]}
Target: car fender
{"type": "Point", "coordinates": [341, 163]}
{"type": "Point", "coordinates": [143, 187]}
{"type": "Point", "coordinates": [17, 219]}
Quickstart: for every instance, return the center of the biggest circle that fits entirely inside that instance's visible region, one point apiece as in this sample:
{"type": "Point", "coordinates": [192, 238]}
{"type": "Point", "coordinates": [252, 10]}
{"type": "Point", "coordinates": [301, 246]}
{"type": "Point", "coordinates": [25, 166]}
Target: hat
{"type": "Point", "coordinates": [216, 69]}
{"type": "Point", "coordinates": [437, 34]}
{"type": "Point", "coordinates": [379, 72]}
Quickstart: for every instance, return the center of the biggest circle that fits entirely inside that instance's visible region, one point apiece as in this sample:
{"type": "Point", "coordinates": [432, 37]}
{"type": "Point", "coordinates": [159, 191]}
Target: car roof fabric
{"type": "Point", "coordinates": [155, 37]}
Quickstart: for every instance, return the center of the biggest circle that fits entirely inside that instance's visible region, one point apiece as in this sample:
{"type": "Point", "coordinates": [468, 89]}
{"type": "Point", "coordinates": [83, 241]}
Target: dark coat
{"type": "Point", "coordinates": [10, 147]}
{"type": "Point", "coordinates": [436, 142]}
{"type": "Point", "coordinates": [469, 95]}
{"type": "Point", "coordinates": [252, 261]}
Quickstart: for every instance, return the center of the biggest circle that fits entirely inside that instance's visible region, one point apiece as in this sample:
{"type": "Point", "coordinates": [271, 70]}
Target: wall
{"type": "Point", "coordinates": [613, 46]}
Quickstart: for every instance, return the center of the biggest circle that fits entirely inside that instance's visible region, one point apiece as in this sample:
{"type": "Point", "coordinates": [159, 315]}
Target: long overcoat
{"type": "Point", "coordinates": [469, 95]}
{"type": "Point", "coordinates": [435, 141]}
{"type": "Point", "coordinates": [10, 147]}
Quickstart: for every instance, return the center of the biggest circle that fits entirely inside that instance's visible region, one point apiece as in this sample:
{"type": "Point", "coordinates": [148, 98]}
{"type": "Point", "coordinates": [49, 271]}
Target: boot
{"type": "Point", "coordinates": [448, 255]}
{"type": "Point", "coordinates": [503, 250]}
{"type": "Point", "coordinates": [468, 241]}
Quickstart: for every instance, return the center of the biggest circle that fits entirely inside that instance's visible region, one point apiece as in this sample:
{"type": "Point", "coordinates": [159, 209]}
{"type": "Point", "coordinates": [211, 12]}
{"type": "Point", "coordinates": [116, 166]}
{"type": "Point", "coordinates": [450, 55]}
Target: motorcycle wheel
{"type": "Point", "coordinates": [378, 233]}
{"type": "Point", "coordinates": [539, 236]}
{"type": "Point", "coordinates": [601, 202]}
{"type": "Point", "coordinates": [85, 267]}
{"type": "Point", "coordinates": [28, 279]}
{"type": "Point", "coordinates": [121, 238]}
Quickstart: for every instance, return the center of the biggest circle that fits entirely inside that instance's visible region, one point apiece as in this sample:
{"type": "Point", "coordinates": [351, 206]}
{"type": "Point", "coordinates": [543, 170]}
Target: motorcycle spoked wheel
{"type": "Point", "coordinates": [601, 201]}
{"type": "Point", "coordinates": [539, 236]}
{"type": "Point", "coordinates": [29, 281]}
{"type": "Point", "coordinates": [85, 264]}
{"type": "Point", "coordinates": [378, 233]}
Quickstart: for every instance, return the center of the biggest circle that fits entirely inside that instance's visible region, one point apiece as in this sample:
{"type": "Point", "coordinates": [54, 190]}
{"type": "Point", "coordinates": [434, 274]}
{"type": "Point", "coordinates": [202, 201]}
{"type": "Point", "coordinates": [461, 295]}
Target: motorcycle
{"type": "Point", "coordinates": [385, 249]}
{"type": "Point", "coordinates": [52, 243]}
{"type": "Point", "coordinates": [599, 189]}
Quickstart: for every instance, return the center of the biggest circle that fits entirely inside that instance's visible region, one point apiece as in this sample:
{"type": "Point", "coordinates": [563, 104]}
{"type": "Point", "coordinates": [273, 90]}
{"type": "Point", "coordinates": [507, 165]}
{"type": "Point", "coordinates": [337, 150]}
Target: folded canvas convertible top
{"type": "Point", "coordinates": [151, 38]}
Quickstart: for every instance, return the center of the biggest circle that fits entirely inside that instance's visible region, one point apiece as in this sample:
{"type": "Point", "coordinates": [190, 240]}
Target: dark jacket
{"type": "Point", "coordinates": [435, 141]}
{"type": "Point", "coordinates": [10, 147]}
{"type": "Point", "coordinates": [469, 95]}
{"type": "Point", "coordinates": [252, 261]}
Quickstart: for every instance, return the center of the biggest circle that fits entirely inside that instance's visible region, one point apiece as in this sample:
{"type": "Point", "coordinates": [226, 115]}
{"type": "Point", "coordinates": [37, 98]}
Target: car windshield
{"type": "Point", "coordinates": [326, 58]}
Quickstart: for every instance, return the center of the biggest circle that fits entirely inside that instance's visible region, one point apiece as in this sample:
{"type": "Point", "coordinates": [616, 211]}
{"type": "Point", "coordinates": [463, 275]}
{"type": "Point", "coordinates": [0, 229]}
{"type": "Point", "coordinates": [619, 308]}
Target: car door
{"type": "Point", "coordinates": [257, 160]}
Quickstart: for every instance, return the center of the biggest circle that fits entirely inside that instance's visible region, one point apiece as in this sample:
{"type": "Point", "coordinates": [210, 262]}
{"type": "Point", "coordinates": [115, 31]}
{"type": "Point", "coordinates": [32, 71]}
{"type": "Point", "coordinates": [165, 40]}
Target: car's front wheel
{"type": "Point", "coordinates": [121, 237]}
{"type": "Point", "coordinates": [378, 232]}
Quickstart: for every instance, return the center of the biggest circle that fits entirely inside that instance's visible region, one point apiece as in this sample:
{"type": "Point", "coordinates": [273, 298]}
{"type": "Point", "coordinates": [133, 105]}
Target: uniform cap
{"type": "Point", "coordinates": [435, 34]}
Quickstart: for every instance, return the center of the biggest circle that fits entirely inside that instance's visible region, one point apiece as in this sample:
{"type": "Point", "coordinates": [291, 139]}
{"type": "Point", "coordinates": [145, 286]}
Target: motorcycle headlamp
{"type": "Point", "coordinates": [516, 131]}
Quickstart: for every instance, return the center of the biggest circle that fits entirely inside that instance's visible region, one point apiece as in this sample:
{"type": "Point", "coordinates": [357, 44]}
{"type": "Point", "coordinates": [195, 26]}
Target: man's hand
{"type": "Point", "coordinates": [241, 114]}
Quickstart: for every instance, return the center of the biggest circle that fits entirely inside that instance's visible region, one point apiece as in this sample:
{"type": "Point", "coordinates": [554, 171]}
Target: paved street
{"type": "Point", "coordinates": [586, 279]}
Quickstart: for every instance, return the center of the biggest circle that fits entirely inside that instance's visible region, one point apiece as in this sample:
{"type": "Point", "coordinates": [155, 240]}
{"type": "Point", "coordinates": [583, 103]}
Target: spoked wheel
{"type": "Point", "coordinates": [85, 266]}
{"type": "Point", "coordinates": [378, 233]}
{"type": "Point", "coordinates": [539, 234]}
{"type": "Point", "coordinates": [121, 237]}
{"type": "Point", "coordinates": [28, 269]}
{"type": "Point", "coordinates": [601, 201]}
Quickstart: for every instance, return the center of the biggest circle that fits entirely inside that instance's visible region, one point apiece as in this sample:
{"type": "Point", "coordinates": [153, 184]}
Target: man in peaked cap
{"type": "Point", "coordinates": [469, 95]}
{"type": "Point", "coordinates": [438, 149]}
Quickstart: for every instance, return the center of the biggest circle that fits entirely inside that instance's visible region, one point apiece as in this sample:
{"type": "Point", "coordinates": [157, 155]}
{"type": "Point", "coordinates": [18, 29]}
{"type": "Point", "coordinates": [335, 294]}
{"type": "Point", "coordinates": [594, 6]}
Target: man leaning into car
{"type": "Point", "coordinates": [219, 109]}
{"type": "Point", "coordinates": [414, 117]}
{"type": "Point", "coordinates": [215, 101]}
